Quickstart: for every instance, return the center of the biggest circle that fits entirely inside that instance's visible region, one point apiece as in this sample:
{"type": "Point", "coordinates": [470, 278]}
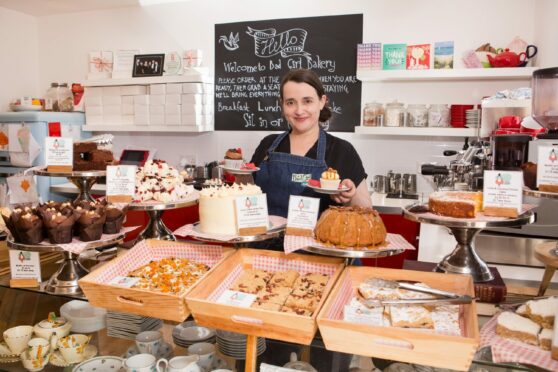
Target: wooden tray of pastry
{"type": "Point", "coordinates": [278, 325]}
{"type": "Point", "coordinates": [169, 306]}
{"type": "Point", "coordinates": [400, 344]}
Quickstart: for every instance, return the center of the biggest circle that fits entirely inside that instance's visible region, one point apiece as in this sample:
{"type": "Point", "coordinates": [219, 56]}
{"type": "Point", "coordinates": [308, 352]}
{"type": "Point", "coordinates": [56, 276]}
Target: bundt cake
{"type": "Point", "coordinates": [351, 227]}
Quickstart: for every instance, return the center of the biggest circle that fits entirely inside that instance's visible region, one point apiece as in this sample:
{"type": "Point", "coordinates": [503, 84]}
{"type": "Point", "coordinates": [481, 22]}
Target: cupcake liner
{"type": "Point", "coordinates": [91, 231]}
{"type": "Point", "coordinates": [60, 234]}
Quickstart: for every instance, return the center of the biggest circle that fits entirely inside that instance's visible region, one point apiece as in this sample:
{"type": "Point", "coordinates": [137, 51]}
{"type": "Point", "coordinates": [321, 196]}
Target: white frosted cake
{"type": "Point", "coordinates": [511, 325]}
{"type": "Point", "coordinates": [157, 181]}
{"type": "Point", "coordinates": [543, 311]}
{"type": "Point", "coordinates": [545, 339]}
{"type": "Point", "coordinates": [217, 207]}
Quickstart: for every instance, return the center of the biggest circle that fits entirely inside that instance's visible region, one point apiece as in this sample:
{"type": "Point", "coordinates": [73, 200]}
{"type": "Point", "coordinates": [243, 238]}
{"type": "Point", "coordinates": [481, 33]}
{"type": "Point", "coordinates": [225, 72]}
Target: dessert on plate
{"type": "Point", "coordinates": [158, 181]}
{"type": "Point", "coordinates": [330, 179]}
{"type": "Point", "coordinates": [233, 158]}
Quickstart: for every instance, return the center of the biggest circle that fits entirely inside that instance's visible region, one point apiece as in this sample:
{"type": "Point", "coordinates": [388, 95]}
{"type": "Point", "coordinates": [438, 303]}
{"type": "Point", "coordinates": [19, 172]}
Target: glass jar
{"type": "Point", "coordinates": [65, 98]}
{"type": "Point", "coordinates": [395, 114]}
{"type": "Point", "coordinates": [373, 115]}
{"type": "Point", "coordinates": [51, 96]}
{"type": "Point", "coordinates": [417, 116]}
{"type": "Point", "coordinates": [438, 116]}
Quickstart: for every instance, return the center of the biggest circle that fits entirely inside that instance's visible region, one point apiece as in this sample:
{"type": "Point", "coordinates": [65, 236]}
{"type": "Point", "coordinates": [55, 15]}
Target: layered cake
{"type": "Point", "coordinates": [545, 339]}
{"type": "Point", "coordinates": [91, 156]}
{"type": "Point", "coordinates": [351, 227]}
{"type": "Point", "coordinates": [459, 204]}
{"type": "Point", "coordinates": [217, 207]}
{"type": "Point", "coordinates": [514, 326]}
{"type": "Point", "coordinates": [157, 181]}
{"type": "Point", "coordinates": [542, 311]}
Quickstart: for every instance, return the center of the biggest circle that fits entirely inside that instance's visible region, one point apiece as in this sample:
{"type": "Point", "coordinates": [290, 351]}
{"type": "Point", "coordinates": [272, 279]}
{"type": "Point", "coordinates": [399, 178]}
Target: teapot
{"type": "Point", "coordinates": [52, 328]}
{"type": "Point", "coordinates": [507, 59]}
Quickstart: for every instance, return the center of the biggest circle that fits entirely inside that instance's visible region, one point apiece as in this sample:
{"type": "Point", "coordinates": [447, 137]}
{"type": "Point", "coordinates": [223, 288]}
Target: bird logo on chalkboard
{"type": "Point", "coordinates": [230, 42]}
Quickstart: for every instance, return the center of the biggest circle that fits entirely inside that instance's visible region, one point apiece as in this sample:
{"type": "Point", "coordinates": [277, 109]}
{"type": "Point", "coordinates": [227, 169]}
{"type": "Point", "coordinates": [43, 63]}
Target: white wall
{"type": "Point", "coordinates": [65, 40]}
{"type": "Point", "coordinates": [19, 67]}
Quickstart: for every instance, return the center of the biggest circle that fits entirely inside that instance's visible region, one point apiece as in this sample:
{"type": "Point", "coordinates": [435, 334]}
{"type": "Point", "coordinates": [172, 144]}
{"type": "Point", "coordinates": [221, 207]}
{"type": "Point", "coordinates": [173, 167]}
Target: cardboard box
{"type": "Point", "coordinates": [172, 109]}
{"type": "Point", "coordinates": [141, 119]}
{"type": "Point", "coordinates": [94, 110]}
{"type": "Point", "coordinates": [93, 101]}
{"type": "Point", "coordinates": [158, 89]}
{"type": "Point", "coordinates": [192, 109]}
{"type": "Point", "coordinates": [128, 119]}
{"type": "Point", "coordinates": [128, 109]}
{"type": "Point", "coordinates": [155, 99]}
{"type": "Point", "coordinates": [192, 99]}
{"type": "Point", "coordinates": [173, 99]}
{"type": "Point", "coordinates": [111, 100]}
{"type": "Point", "coordinates": [155, 119]}
{"type": "Point", "coordinates": [112, 110]}
{"type": "Point", "coordinates": [190, 88]}
{"type": "Point", "coordinates": [173, 120]}
{"type": "Point", "coordinates": [157, 109]}
{"type": "Point", "coordinates": [111, 91]}
{"type": "Point", "coordinates": [133, 90]}
{"type": "Point", "coordinates": [93, 91]}
{"type": "Point", "coordinates": [192, 119]}
{"type": "Point", "coordinates": [112, 120]}
{"type": "Point", "coordinates": [141, 99]}
{"type": "Point", "coordinates": [127, 100]}
{"type": "Point", "coordinates": [141, 110]}
{"type": "Point", "coordinates": [174, 88]}
{"type": "Point", "coordinates": [91, 119]}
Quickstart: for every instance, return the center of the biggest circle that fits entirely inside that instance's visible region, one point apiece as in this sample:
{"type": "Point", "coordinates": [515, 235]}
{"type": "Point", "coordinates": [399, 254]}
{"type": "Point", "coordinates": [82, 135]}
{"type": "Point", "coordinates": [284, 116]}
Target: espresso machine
{"type": "Point", "coordinates": [465, 171]}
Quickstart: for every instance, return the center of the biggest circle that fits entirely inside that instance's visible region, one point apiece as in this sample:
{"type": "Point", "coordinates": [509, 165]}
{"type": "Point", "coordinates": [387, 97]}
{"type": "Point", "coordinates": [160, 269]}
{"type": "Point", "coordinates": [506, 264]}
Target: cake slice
{"type": "Point", "coordinates": [370, 291]}
{"type": "Point", "coordinates": [543, 311]}
{"type": "Point", "coordinates": [545, 339]}
{"type": "Point", "coordinates": [411, 316]}
{"type": "Point", "coordinates": [284, 278]}
{"type": "Point", "coordinates": [511, 325]}
{"type": "Point", "coordinates": [460, 204]}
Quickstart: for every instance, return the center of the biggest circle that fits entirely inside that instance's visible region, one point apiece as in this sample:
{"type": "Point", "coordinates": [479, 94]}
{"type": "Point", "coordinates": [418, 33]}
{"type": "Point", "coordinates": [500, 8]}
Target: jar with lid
{"type": "Point", "coordinates": [373, 115]}
{"type": "Point", "coordinates": [51, 96]}
{"type": "Point", "coordinates": [395, 114]}
{"type": "Point", "coordinates": [417, 115]}
{"type": "Point", "coordinates": [65, 98]}
{"type": "Point", "coordinates": [438, 116]}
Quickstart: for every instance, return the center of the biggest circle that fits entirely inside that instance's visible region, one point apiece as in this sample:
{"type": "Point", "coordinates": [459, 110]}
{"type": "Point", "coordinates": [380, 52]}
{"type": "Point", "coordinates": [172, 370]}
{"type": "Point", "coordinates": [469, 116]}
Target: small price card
{"type": "Point", "coordinates": [59, 154]}
{"type": "Point", "coordinates": [251, 214]}
{"type": "Point", "coordinates": [503, 193]}
{"type": "Point", "coordinates": [303, 214]}
{"type": "Point", "coordinates": [124, 281]}
{"type": "Point", "coordinates": [235, 298]}
{"type": "Point", "coordinates": [25, 268]}
{"type": "Point", "coordinates": [547, 166]}
{"type": "Point", "coordinates": [121, 182]}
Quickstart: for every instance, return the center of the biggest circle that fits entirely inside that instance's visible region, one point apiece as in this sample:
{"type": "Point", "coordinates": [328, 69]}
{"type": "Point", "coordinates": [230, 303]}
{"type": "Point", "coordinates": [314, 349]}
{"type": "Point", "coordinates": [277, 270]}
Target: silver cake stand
{"type": "Point", "coordinates": [241, 241]}
{"type": "Point", "coordinates": [540, 194]}
{"type": "Point", "coordinates": [155, 228]}
{"type": "Point", "coordinates": [352, 253]}
{"type": "Point", "coordinates": [464, 258]}
{"type": "Point", "coordinates": [65, 279]}
{"type": "Point", "coordinates": [84, 180]}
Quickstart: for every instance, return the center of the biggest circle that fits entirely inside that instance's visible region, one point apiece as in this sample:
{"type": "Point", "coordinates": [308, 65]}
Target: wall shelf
{"type": "Point", "coordinates": [147, 128]}
{"type": "Point", "coordinates": [415, 131]}
{"type": "Point", "coordinates": [198, 75]}
{"type": "Point", "coordinates": [517, 73]}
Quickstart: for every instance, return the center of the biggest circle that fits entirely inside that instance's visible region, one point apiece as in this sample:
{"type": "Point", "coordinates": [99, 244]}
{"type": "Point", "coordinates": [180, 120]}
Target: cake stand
{"type": "Point", "coordinates": [65, 279]}
{"type": "Point", "coordinates": [83, 180]}
{"type": "Point", "coordinates": [352, 253]}
{"type": "Point", "coordinates": [540, 194]}
{"type": "Point", "coordinates": [464, 259]}
{"type": "Point", "coordinates": [156, 228]}
{"type": "Point", "coordinates": [241, 241]}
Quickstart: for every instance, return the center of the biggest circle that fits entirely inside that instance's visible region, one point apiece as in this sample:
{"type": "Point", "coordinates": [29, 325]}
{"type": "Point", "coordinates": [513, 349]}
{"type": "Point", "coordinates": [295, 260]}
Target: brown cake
{"type": "Point", "coordinates": [88, 156]}
{"type": "Point", "coordinates": [459, 204]}
{"type": "Point", "coordinates": [351, 227]}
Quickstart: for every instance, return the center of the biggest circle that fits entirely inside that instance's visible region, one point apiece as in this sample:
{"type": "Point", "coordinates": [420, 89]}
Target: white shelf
{"type": "Point", "coordinates": [516, 73]}
{"type": "Point", "coordinates": [415, 131]}
{"type": "Point", "coordinates": [146, 128]}
{"type": "Point", "coordinates": [200, 75]}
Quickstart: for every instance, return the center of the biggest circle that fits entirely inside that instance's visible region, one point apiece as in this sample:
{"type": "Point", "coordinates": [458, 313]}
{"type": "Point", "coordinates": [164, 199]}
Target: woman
{"type": "Point", "coordinates": [287, 161]}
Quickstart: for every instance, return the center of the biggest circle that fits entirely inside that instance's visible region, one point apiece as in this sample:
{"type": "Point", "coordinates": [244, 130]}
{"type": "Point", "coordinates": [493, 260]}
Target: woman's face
{"type": "Point", "coordinates": [302, 106]}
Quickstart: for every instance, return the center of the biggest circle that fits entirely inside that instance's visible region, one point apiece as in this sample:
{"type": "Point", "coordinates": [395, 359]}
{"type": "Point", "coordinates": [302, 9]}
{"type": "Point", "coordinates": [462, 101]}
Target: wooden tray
{"type": "Point", "coordinates": [141, 301]}
{"type": "Point", "coordinates": [405, 345]}
{"type": "Point", "coordinates": [256, 322]}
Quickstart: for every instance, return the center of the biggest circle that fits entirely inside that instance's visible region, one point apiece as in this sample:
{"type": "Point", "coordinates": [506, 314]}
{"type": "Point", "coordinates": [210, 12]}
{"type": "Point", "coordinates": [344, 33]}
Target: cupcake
{"type": "Point", "coordinates": [233, 158]}
{"type": "Point", "coordinates": [26, 226]}
{"type": "Point", "coordinates": [330, 179]}
{"type": "Point", "coordinates": [90, 224]}
{"type": "Point", "coordinates": [114, 219]}
{"type": "Point", "coordinates": [59, 227]}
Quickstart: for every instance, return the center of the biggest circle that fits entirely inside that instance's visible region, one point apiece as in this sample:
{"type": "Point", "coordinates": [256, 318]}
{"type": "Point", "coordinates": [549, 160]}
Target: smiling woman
{"type": "Point", "coordinates": [290, 160]}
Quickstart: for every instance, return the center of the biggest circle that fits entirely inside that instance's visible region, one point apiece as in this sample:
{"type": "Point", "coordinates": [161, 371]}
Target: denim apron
{"type": "Point", "coordinates": [282, 175]}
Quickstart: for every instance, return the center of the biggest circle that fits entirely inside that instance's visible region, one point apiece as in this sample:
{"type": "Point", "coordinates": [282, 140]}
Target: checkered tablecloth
{"type": "Point", "coordinates": [293, 243]}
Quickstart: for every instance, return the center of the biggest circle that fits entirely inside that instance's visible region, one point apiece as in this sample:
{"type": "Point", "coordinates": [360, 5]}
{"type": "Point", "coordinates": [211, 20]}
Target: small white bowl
{"type": "Point", "coordinates": [84, 317]}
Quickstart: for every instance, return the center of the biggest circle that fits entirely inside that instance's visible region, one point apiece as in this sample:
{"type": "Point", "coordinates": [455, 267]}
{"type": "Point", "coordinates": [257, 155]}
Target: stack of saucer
{"type": "Point", "coordinates": [189, 333]}
{"type": "Point", "coordinates": [234, 344]}
{"type": "Point", "coordinates": [472, 118]}
{"type": "Point", "coordinates": [128, 326]}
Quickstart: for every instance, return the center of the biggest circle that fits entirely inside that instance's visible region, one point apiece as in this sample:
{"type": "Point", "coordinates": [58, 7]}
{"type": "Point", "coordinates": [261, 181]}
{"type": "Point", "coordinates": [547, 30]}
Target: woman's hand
{"type": "Point", "coordinates": [345, 196]}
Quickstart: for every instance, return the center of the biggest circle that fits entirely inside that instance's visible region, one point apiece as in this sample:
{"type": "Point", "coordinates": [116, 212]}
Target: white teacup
{"type": "Point", "coordinates": [140, 363]}
{"type": "Point", "coordinates": [17, 338]}
{"type": "Point", "coordinates": [179, 364]}
{"type": "Point", "coordinates": [149, 342]}
{"type": "Point", "coordinates": [205, 351]}
{"type": "Point", "coordinates": [72, 347]}
{"type": "Point", "coordinates": [33, 364]}
{"type": "Point", "coordinates": [38, 346]}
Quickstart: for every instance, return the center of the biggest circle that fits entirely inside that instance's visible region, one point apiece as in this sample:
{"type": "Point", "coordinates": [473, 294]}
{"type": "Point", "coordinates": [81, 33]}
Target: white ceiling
{"type": "Point", "coordinates": [39, 8]}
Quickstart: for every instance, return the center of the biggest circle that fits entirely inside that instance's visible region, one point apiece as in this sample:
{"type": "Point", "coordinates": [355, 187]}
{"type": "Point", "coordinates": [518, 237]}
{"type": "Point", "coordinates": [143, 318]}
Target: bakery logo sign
{"type": "Point", "coordinates": [552, 156]}
{"type": "Point", "coordinates": [121, 172]}
{"type": "Point", "coordinates": [24, 256]}
{"type": "Point", "coordinates": [57, 143]}
{"type": "Point", "coordinates": [251, 201]}
{"type": "Point", "coordinates": [304, 204]}
{"type": "Point", "coordinates": [269, 43]}
{"type": "Point", "coordinates": [301, 178]}
{"type": "Point", "coordinates": [503, 179]}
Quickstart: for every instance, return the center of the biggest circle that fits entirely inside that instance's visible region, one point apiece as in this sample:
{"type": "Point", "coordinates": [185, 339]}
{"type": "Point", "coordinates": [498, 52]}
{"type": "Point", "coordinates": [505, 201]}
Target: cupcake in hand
{"type": "Point", "coordinates": [90, 225]}
{"type": "Point", "coordinates": [330, 179]}
{"type": "Point", "coordinates": [25, 225]}
{"type": "Point", "coordinates": [233, 158]}
{"type": "Point", "coordinates": [115, 217]}
{"type": "Point", "coordinates": [59, 227]}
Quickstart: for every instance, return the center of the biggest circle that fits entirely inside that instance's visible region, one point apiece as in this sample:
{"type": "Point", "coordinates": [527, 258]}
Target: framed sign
{"type": "Point", "coordinates": [148, 65]}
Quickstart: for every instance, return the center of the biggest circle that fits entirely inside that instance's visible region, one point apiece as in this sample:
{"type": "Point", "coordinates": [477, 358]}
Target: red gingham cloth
{"type": "Point", "coordinates": [293, 243]}
{"type": "Point", "coordinates": [510, 351]}
{"type": "Point", "coordinates": [142, 253]}
{"type": "Point", "coordinates": [189, 230]}
{"type": "Point", "coordinates": [274, 264]}
{"type": "Point", "coordinates": [77, 246]}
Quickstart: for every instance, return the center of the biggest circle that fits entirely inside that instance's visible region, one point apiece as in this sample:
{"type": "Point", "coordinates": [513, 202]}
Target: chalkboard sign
{"type": "Point", "coordinates": [148, 65]}
{"type": "Point", "coordinates": [252, 57]}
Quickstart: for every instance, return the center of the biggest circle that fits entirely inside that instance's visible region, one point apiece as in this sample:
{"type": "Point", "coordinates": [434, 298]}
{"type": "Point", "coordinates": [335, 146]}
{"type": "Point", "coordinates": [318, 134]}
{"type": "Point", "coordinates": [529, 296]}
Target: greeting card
{"type": "Point", "coordinates": [443, 54]}
{"type": "Point", "coordinates": [394, 56]}
{"type": "Point", "coordinates": [418, 57]}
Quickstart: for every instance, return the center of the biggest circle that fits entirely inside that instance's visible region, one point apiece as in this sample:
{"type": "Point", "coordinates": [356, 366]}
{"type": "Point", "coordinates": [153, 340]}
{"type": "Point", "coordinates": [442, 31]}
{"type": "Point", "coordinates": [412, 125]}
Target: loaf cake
{"type": "Point", "coordinates": [351, 227]}
{"type": "Point", "coordinates": [514, 326]}
{"type": "Point", "coordinates": [88, 156]}
{"type": "Point", "coordinates": [459, 204]}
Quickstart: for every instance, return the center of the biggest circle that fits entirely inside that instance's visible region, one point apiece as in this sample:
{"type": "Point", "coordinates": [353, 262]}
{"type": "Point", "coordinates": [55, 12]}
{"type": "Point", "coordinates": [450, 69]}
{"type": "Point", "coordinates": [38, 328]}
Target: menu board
{"type": "Point", "coordinates": [252, 57]}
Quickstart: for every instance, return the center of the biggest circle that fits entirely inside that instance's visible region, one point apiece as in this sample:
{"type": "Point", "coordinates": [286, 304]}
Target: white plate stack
{"type": "Point", "coordinates": [128, 325]}
{"type": "Point", "coordinates": [234, 344]}
{"type": "Point", "coordinates": [189, 333]}
{"type": "Point", "coordinates": [472, 118]}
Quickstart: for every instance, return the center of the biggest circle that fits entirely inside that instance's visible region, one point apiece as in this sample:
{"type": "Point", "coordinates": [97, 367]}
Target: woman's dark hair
{"type": "Point", "coordinates": [311, 78]}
